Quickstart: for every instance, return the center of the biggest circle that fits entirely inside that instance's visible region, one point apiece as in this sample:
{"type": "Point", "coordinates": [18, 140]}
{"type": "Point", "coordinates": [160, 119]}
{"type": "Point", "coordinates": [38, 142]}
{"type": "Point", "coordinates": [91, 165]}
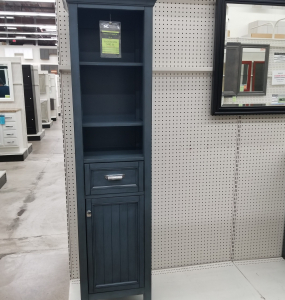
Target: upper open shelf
{"type": "Point", "coordinates": [131, 35]}
{"type": "Point", "coordinates": [112, 140]}
{"type": "Point", "coordinates": [111, 64]}
{"type": "Point", "coordinates": [111, 96]}
{"type": "Point", "coordinates": [111, 121]}
{"type": "Point", "coordinates": [115, 155]}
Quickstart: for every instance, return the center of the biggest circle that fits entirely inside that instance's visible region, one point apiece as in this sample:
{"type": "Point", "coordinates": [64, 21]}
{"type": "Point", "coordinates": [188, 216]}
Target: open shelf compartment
{"type": "Point", "coordinates": [111, 96]}
{"type": "Point", "coordinates": [112, 143]}
{"type": "Point", "coordinates": [113, 156]}
{"type": "Point", "coordinates": [131, 34]}
{"type": "Point", "coordinates": [111, 121]}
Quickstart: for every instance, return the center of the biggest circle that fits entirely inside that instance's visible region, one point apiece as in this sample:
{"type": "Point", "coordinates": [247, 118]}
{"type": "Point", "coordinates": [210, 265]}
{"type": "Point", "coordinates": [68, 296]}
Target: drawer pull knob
{"type": "Point", "coordinates": [115, 177]}
{"type": "Point", "coordinates": [88, 214]}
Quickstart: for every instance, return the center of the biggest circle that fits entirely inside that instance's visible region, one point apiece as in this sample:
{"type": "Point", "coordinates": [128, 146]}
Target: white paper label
{"type": "Point", "coordinates": [278, 77]}
{"type": "Point", "coordinates": [279, 57]}
{"type": "Point", "coordinates": [278, 99]}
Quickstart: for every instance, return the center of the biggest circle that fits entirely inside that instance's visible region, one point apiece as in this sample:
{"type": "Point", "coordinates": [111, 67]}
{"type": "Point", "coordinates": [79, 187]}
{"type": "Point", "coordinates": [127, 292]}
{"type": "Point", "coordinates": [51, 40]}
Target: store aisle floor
{"type": "Point", "coordinates": [33, 226]}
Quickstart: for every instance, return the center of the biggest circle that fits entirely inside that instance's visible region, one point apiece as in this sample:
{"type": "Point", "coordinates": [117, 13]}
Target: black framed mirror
{"type": "Point", "coordinates": [249, 57]}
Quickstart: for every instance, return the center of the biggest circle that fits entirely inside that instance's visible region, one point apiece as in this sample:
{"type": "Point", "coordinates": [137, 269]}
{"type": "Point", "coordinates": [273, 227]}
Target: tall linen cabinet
{"type": "Point", "coordinates": [112, 104]}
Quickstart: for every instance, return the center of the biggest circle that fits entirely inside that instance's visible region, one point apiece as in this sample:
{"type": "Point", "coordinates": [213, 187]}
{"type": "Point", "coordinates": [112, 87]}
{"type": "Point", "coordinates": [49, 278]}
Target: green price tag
{"type": "Point", "coordinates": [110, 46]}
{"type": "Point", "coordinates": [110, 39]}
{"type": "Point", "coordinates": [7, 96]}
{"type": "Point", "coordinates": [234, 98]}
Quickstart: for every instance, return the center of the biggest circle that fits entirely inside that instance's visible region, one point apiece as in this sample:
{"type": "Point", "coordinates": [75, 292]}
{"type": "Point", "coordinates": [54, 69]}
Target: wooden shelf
{"type": "Point", "coordinates": [113, 156]}
{"type": "Point", "coordinates": [110, 121]}
{"type": "Point", "coordinates": [111, 64]}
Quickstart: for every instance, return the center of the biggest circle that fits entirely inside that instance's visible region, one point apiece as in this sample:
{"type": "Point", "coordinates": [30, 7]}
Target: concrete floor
{"type": "Point", "coordinates": [33, 225]}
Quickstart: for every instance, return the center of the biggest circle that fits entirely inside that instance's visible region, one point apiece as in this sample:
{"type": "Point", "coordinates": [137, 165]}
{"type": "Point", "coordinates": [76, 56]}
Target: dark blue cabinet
{"type": "Point", "coordinates": [112, 129]}
{"type": "Point", "coordinates": [115, 238]}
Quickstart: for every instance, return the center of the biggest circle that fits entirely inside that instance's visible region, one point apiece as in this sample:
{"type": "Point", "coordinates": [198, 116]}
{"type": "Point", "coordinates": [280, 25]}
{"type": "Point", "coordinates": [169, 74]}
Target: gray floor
{"type": "Point", "coordinates": [240, 280]}
{"type": "Point", "coordinates": [33, 226]}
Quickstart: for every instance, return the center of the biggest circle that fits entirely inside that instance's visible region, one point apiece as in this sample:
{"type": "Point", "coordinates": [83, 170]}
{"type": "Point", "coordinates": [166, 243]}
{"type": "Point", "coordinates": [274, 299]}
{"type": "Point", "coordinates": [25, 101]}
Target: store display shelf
{"type": "Point", "coordinates": [110, 121]}
{"type": "Point", "coordinates": [113, 156]}
{"type": "Point", "coordinates": [111, 64]}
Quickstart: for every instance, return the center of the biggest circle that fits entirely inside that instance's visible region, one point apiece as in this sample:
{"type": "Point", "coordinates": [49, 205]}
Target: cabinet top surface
{"type": "Point", "coordinates": [114, 2]}
{"type": "Point", "coordinates": [9, 110]}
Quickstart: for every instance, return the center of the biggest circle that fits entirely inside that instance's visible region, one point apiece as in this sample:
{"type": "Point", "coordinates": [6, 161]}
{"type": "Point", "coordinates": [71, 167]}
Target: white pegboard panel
{"type": "Point", "coordinates": [261, 188]}
{"type": "Point", "coordinates": [193, 173]}
{"type": "Point", "coordinates": [196, 2]}
{"type": "Point", "coordinates": [70, 171]}
{"type": "Point", "coordinates": [183, 34]}
{"type": "Point", "coordinates": [62, 20]}
{"type": "Point", "coordinates": [63, 34]}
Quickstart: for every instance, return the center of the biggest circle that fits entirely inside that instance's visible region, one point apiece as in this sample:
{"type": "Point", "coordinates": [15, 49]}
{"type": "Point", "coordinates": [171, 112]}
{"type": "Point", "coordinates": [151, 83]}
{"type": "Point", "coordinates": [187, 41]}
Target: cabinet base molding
{"type": "Point", "coordinates": [3, 178]}
{"type": "Point", "coordinates": [47, 125]}
{"type": "Point", "coordinates": [36, 137]}
{"type": "Point", "coordinates": [16, 156]}
{"type": "Point", "coordinates": [74, 292]}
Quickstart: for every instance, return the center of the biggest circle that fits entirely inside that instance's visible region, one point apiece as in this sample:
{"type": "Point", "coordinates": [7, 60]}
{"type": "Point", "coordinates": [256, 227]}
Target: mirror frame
{"type": "Point", "coordinates": [11, 86]}
{"type": "Point", "coordinates": [220, 30]}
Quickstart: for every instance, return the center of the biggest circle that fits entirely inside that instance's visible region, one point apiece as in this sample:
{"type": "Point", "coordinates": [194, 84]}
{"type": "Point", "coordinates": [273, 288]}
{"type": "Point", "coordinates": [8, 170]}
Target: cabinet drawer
{"type": "Point", "coordinates": [10, 142]}
{"type": "Point", "coordinates": [9, 126]}
{"type": "Point", "coordinates": [109, 178]}
{"type": "Point", "coordinates": [10, 133]}
{"type": "Point", "coordinates": [10, 117]}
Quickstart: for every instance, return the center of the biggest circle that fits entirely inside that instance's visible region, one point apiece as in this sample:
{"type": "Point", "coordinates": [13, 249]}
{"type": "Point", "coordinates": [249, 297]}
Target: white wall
{"type": "Point", "coordinates": [36, 55]}
{"type": "Point", "coordinates": [240, 15]}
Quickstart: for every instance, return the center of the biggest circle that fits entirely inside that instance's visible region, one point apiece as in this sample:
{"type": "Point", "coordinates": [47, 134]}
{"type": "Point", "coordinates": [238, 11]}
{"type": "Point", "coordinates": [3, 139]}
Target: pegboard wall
{"type": "Point", "coordinates": [183, 34]}
{"type": "Point", "coordinates": [218, 182]}
{"type": "Point", "coordinates": [260, 188]}
{"type": "Point", "coordinates": [68, 135]}
{"type": "Point", "coordinates": [193, 173]}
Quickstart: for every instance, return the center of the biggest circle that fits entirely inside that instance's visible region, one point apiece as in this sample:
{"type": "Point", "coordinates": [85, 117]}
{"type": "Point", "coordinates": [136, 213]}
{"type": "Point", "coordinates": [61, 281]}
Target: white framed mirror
{"type": "Point", "coordinates": [6, 82]}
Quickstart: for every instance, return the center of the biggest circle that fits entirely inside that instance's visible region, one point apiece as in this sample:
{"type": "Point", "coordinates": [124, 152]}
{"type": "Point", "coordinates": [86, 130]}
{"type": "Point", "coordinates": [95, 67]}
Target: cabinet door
{"type": "Point", "coordinates": [115, 240]}
{"type": "Point", "coordinates": [29, 100]}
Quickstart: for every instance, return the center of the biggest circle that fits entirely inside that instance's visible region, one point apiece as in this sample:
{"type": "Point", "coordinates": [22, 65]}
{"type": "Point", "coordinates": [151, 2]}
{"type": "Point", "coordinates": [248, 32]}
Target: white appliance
{"type": "Point", "coordinates": [1, 135]}
{"type": "Point", "coordinates": [11, 133]}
